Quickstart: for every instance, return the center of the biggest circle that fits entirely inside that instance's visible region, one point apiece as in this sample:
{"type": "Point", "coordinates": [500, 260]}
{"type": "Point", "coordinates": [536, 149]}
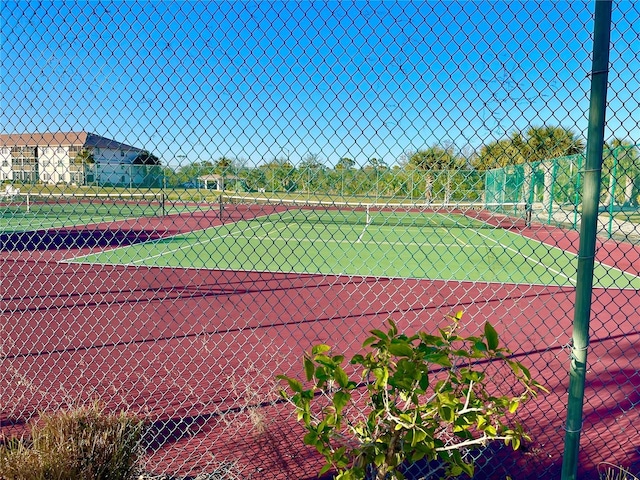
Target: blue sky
{"type": "Point", "coordinates": [257, 80]}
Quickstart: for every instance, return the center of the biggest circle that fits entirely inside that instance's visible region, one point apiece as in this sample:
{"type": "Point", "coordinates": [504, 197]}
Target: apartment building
{"type": "Point", "coordinates": [79, 158]}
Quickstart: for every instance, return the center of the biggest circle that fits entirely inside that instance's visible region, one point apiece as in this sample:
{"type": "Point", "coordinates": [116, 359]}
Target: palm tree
{"type": "Point", "coordinates": [546, 143]}
{"type": "Point", "coordinates": [549, 143]}
{"type": "Point", "coordinates": [501, 153]}
{"type": "Point", "coordinates": [436, 160]}
{"type": "Point", "coordinates": [83, 164]}
{"type": "Point", "coordinates": [535, 145]}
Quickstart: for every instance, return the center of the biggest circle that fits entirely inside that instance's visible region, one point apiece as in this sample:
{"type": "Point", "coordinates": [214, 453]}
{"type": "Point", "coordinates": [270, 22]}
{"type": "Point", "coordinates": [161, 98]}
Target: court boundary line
{"type": "Point", "coordinates": [345, 275]}
{"type": "Point", "coordinates": [527, 258]}
{"type": "Point", "coordinates": [458, 244]}
{"type": "Point", "coordinates": [232, 233]}
{"type": "Point", "coordinates": [575, 255]}
{"type": "Point", "coordinates": [106, 223]}
{"type": "Point", "coordinates": [156, 241]}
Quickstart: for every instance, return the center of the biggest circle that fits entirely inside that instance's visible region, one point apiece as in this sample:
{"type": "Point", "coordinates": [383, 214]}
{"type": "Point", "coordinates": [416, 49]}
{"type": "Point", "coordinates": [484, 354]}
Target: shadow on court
{"type": "Point", "coordinates": [66, 239]}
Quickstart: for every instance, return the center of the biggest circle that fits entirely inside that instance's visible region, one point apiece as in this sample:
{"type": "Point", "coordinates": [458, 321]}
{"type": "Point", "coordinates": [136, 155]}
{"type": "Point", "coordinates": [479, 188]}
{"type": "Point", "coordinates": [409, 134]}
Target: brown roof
{"type": "Point", "coordinates": [79, 139]}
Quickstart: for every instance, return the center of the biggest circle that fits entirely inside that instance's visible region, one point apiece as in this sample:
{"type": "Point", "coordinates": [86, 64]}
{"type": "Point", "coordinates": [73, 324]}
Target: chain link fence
{"type": "Point", "coordinates": [195, 193]}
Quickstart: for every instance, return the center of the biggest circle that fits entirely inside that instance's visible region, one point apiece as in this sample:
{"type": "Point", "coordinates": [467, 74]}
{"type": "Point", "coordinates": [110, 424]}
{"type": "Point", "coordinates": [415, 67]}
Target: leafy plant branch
{"type": "Point", "coordinates": [428, 397]}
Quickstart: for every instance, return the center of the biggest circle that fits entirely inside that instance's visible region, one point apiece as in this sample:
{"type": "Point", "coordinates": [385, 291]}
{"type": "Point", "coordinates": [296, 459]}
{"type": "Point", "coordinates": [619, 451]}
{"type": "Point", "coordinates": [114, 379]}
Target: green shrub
{"type": "Point", "coordinates": [83, 443]}
{"type": "Point", "coordinates": [429, 398]}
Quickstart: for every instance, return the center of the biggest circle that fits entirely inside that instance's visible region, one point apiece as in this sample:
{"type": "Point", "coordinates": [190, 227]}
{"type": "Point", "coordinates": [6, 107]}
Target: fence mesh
{"type": "Point", "coordinates": [195, 193]}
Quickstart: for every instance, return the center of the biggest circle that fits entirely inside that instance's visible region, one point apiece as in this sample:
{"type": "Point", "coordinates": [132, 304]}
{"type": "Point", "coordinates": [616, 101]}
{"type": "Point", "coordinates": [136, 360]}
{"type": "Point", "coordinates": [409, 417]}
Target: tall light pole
{"type": "Point", "coordinates": [164, 175]}
{"type": "Point", "coordinates": [179, 157]}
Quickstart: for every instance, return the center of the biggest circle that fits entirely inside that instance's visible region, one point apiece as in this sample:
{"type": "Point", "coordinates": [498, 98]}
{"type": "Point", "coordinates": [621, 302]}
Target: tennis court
{"type": "Point", "coordinates": [36, 211]}
{"type": "Point", "coordinates": [392, 241]}
{"type": "Point", "coordinates": [275, 266]}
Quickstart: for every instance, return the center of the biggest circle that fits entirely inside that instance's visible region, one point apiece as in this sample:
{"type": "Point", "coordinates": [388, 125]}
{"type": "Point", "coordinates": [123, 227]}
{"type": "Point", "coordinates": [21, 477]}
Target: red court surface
{"type": "Point", "coordinates": [195, 351]}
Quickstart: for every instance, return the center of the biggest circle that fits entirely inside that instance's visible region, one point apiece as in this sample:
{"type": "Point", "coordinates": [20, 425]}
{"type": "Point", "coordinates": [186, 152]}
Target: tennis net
{"type": "Point", "coordinates": [420, 215]}
{"type": "Point", "coordinates": [61, 205]}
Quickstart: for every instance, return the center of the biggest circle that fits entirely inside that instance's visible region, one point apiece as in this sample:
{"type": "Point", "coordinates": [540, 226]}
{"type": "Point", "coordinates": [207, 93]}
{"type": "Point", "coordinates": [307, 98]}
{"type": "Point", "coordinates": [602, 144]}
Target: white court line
{"type": "Point", "coordinates": [173, 250]}
{"type": "Point", "coordinates": [351, 242]}
{"type": "Point", "coordinates": [191, 245]}
{"type": "Point", "coordinates": [527, 258]}
{"type": "Point", "coordinates": [29, 227]}
{"type": "Point", "coordinates": [364, 230]}
{"type": "Point", "coordinates": [178, 235]}
{"type": "Point", "coordinates": [458, 243]}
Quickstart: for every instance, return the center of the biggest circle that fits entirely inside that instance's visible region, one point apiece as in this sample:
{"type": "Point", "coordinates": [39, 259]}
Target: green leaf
{"type": "Point", "coordinates": [480, 346]}
{"type": "Point", "coordinates": [424, 382]}
{"type": "Point", "coordinates": [482, 421]}
{"type": "Point", "coordinates": [439, 359]}
{"type": "Point", "coordinates": [430, 340]}
{"type": "Point", "coordinates": [515, 367]}
{"type": "Point", "coordinates": [455, 470]}
{"type": "Point", "coordinates": [406, 418]}
{"type": "Point", "coordinates": [539, 386]}
{"type": "Point", "coordinates": [320, 349]}
{"type": "Point", "coordinates": [418, 436]}
{"type": "Point", "coordinates": [340, 400]}
{"type": "Point", "coordinates": [382, 376]}
{"type": "Point", "coordinates": [338, 359]}
{"type": "Point", "coordinates": [417, 455]}
{"type": "Point", "coordinates": [357, 359]}
{"type": "Point", "coordinates": [393, 331]}
{"type": "Point", "coordinates": [341, 377]}
{"type": "Point", "coordinates": [324, 360]}
{"type": "Point", "coordinates": [380, 334]}
{"type": "Point", "coordinates": [513, 405]}
{"type": "Point", "coordinates": [492, 336]}
{"type": "Point", "coordinates": [400, 349]}
{"type": "Point", "coordinates": [369, 341]}
{"type": "Point", "coordinates": [447, 413]}
{"type": "Point", "coordinates": [294, 384]}
{"type": "Point", "coordinates": [311, 438]}
{"type": "Point", "coordinates": [468, 468]}
{"type": "Point", "coordinates": [309, 368]}
{"type": "Point", "coordinates": [321, 374]}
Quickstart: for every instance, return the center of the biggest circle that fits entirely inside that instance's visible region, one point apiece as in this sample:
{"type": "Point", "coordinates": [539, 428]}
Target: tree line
{"type": "Point", "coordinates": [435, 172]}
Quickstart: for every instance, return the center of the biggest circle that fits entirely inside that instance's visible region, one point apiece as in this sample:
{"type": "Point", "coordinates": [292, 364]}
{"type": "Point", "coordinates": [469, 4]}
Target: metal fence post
{"type": "Point", "coordinates": [613, 183]}
{"type": "Point", "coordinates": [588, 228]}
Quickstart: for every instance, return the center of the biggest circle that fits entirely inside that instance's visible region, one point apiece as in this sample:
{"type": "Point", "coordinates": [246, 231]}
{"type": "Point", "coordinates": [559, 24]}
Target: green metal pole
{"type": "Point", "coordinates": [612, 191]}
{"type": "Point", "coordinates": [588, 228]}
{"type": "Point", "coordinates": [554, 174]}
{"type": "Point", "coordinates": [531, 193]}
{"type": "Point", "coordinates": [576, 202]}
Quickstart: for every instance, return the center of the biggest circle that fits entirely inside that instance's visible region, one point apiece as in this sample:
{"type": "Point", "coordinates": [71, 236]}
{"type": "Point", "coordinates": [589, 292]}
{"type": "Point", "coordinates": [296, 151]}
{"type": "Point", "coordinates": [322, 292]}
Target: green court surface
{"type": "Point", "coordinates": [41, 212]}
{"type": "Point", "coordinates": [284, 243]}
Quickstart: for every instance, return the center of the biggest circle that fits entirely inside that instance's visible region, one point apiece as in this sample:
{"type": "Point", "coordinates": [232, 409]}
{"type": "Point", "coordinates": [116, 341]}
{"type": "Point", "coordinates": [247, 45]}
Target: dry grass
{"type": "Point", "coordinates": [609, 471]}
{"type": "Point", "coordinates": [83, 443]}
